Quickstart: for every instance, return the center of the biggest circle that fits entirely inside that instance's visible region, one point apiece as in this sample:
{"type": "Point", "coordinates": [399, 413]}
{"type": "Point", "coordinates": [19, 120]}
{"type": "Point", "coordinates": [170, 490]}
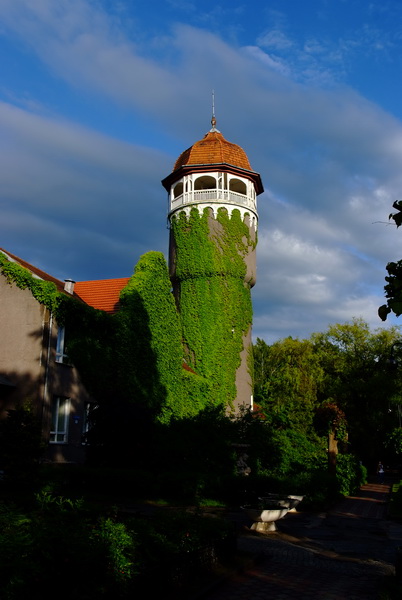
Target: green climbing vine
{"type": "Point", "coordinates": [45, 292]}
{"type": "Point", "coordinates": [214, 300]}
{"type": "Point", "coordinates": [149, 324]}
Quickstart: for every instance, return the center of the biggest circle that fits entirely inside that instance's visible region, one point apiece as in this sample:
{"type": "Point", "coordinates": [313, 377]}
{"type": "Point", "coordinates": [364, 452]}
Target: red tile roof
{"type": "Point", "coordinates": [213, 149]}
{"type": "Point", "coordinates": [102, 294]}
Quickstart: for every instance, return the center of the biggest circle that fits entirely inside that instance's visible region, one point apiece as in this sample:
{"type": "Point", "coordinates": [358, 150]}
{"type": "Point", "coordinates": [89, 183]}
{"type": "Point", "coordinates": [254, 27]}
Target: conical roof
{"type": "Point", "coordinates": [213, 149]}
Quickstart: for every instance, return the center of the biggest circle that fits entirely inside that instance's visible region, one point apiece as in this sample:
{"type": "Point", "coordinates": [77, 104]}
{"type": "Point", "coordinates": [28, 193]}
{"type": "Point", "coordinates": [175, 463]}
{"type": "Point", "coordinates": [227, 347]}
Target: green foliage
{"type": "Point", "coordinates": [45, 292]}
{"type": "Point", "coordinates": [337, 382]}
{"type": "Point", "coordinates": [329, 418]}
{"type": "Point", "coordinates": [357, 380]}
{"type": "Point", "coordinates": [115, 547]}
{"type": "Point", "coordinates": [394, 441]}
{"type": "Point", "coordinates": [350, 474]}
{"type": "Point", "coordinates": [214, 300]}
{"type": "Point", "coordinates": [287, 452]}
{"type": "Point", "coordinates": [56, 540]}
{"type": "Point", "coordinates": [58, 545]}
{"type": "Point", "coordinates": [48, 501]}
{"type": "Point", "coordinates": [288, 377]}
{"type": "Point", "coordinates": [148, 323]}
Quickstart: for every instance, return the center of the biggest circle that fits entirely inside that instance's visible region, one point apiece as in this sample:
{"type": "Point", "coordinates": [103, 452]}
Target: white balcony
{"type": "Point", "coordinates": [202, 196]}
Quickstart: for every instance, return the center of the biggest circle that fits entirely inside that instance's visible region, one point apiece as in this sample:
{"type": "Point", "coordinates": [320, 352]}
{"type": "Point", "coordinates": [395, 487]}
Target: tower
{"type": "Point", "coordinates": [212, 214]}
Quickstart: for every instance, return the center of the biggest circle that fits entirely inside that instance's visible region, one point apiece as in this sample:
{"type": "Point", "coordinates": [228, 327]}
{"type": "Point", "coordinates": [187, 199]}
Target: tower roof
{"type": "Point", "coordinates": [211, 150]}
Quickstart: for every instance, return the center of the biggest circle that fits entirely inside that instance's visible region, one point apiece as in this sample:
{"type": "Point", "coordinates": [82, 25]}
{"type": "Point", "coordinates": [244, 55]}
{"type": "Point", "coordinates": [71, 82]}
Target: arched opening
{"type": "Point", "coordinates": [236, 185]}
{"type": "Point", "coordinates": [178, 189]}
{"type": "Point", "coordinates": [206, 182]}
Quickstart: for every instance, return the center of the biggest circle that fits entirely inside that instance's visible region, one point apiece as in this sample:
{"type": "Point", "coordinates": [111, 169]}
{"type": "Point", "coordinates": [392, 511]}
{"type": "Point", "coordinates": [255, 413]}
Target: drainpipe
{"type": "Point", "coordinates": [46, 382]}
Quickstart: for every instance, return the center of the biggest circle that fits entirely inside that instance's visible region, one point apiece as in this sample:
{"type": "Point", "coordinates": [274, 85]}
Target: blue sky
{"type": "Point", "coordinates": [98, 98]}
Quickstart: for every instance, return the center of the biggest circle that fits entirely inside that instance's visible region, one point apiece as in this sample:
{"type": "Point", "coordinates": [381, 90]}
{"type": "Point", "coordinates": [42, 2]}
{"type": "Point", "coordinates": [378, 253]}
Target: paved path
{"type": "Point", "coordinates": [343, 554]}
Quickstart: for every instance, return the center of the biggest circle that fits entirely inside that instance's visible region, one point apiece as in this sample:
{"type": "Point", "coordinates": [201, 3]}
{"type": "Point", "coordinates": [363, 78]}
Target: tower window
{"type": "Point", "coordinates": [178, 189]}
{"type": "Point", "coordinates": [236, 185]}
{"type": "Point", "coordinates": [205, 183]}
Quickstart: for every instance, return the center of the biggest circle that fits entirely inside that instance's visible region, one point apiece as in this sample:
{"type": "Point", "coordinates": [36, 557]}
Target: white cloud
{"type": "Point", "coordinates": [275, 39]}
{"type": "Point", "coordinates": [270, 61]}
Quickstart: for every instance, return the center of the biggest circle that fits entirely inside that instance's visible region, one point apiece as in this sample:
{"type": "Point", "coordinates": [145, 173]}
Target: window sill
{"type": "Point", "coordinates": [64, 364]}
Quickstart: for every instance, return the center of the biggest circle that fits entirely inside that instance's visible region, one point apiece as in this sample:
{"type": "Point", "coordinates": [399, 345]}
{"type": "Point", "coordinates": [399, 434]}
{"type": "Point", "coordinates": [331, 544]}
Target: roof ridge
{"type": "Point", "coordinates": [33, 270]}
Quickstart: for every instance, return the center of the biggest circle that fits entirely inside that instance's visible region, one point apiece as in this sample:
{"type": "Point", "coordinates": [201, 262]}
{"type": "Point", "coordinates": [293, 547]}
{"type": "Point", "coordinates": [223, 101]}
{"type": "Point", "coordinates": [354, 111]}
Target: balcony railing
{"type": "Point", "coordinates": [201, 196]}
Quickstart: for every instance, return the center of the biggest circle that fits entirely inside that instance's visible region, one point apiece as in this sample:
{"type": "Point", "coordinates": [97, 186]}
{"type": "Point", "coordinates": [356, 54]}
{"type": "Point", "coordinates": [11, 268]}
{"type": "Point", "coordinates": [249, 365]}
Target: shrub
{"type": "Point", "coordinates": [350, 474]}
{"type": "Point", "coordinates": [59, 546]}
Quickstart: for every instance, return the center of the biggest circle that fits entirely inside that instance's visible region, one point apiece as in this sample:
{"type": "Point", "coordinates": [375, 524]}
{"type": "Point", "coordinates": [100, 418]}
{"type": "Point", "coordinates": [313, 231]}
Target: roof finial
{"type": "Point", "coordinates": [213, 120]}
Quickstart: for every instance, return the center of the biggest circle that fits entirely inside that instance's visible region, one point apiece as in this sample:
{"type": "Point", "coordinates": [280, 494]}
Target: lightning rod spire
{"type": "Point", "coordinates": [213, 120]}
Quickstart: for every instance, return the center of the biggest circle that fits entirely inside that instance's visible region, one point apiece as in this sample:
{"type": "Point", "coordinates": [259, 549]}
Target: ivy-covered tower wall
{"type": "Point", "coordinates": [212, 263]}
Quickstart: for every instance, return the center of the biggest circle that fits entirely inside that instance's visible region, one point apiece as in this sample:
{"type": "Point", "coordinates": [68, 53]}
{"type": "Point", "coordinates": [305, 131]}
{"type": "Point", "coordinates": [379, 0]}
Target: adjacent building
{"type": "Point", "coordinates": [34, 363]}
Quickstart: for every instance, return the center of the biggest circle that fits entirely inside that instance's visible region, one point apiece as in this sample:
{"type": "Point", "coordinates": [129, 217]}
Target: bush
{"type": "Point", "coordinates": [60, 546]}
{"type": "Point", "coordinates": [350, 474]}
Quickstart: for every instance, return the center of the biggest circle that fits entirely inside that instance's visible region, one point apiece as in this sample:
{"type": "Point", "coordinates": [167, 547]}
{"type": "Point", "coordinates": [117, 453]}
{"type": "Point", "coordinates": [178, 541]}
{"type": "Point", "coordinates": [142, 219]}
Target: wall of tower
{"type": "Point", "coordinates": [212, 266]}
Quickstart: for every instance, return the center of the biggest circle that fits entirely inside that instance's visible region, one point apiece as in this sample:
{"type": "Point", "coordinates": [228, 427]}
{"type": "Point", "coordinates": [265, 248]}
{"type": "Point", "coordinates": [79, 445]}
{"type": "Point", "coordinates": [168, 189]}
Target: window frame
{"type": "Point", "coordinates": [55, 420]}
{"type": "Point", "coordinates": [61, 348]}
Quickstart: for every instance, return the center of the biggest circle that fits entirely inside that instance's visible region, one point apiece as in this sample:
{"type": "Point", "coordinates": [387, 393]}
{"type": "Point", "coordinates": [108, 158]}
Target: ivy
{"type": "Point", "coordinates": [149, 323]}
{"type": "Point", "coordinates": [44, 292]}
{"type": "Point", "coordinates": [213, 295]}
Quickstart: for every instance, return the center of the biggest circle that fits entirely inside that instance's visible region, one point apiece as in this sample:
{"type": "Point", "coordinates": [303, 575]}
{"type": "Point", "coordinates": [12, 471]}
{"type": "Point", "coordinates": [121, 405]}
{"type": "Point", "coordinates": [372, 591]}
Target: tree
{"type": "Point", "coordinates": [288, 377]}
{"type": "Point", "coordinates": [393, 289]}
{"type": "Point", "coordinates": [356, 362]}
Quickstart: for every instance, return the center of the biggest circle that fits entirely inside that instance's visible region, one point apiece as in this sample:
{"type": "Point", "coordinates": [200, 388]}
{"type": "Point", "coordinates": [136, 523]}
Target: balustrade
{"type": "Point", "coordinates": [200, 196]}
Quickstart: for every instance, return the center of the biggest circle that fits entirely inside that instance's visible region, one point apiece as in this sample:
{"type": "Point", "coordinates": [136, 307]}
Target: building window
{"type": "Point", "coordinates": [59, 426]}
{"type": "Point", "coordinates": [61, 346]}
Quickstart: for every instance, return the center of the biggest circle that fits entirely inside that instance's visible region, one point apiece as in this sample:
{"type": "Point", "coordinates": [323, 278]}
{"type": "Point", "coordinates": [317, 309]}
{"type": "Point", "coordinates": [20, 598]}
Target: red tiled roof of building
{"type": "Point", "coordinates": [213, 149]}
{"type": "Point", "coordinates": [102, 294]}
